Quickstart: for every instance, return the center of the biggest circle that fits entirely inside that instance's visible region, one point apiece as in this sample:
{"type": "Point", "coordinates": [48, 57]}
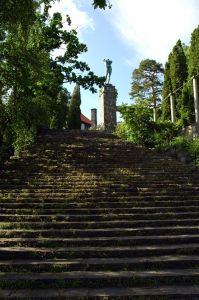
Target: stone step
{"type": "Point", "coordinates": [109, 216]}
{"type": "Point", "coordinates": [129, 169]}
{"type": "Point", "coordinates": [99, 203]}
{"type": "Point", "coordinates": [88, 279]}
{"type": "Point", "coordinates": [98, 211]}
{"type": "Point", "coordinates": [80, 184]}
{"type": "Point", "coordinates": [105, 232]}
{"type": "Point", "coordinates": [18, 252]}
{"type": "Point", "coordinates": [100, 241]}
{"type": "Point", "coordinates": [179, 292]}
{"type": "Point", "coordinates": [77, 221]}
{"type": "Point", "coordinates": [98, 224]}
{"type": "Point", "coordinates": [108, 190]}
{"type": "Point", "coordinates": [103, 264]}
{"type": "Point", "coordinates": [103, 199]}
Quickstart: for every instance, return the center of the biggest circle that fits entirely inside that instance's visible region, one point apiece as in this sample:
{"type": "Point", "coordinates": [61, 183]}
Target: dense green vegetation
{"type": "Point", "coordinates": [74, 109]}
{"type": "Point", "coordinates": [148, 120]}
{"type": "Point", "coordinates": [33, 77]}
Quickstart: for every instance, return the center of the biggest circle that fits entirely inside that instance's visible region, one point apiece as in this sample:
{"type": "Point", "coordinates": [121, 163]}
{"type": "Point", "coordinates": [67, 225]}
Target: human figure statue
{"type": "Point", "coordinates": [108, 63]}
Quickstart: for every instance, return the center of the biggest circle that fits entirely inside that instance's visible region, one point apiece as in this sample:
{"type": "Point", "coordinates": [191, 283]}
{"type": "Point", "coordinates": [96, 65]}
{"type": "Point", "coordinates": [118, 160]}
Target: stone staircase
{"type": "Point", "coordinates": [87, 216]}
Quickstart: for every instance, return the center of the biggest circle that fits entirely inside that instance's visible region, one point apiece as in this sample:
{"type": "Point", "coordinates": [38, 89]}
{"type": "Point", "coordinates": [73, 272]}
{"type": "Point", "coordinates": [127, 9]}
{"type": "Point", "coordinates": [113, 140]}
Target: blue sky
{"type": "Point", "coordinates": [129, 32]}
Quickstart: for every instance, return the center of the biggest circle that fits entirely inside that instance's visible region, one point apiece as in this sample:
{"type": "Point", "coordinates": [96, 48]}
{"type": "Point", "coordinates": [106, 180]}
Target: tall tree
{"type": "Point", "coordinates": [194, 53]}
{"type": "Point", "coordinates": [147, 83]}
{"type": "Point", "coordinates": [178, 73]}
{"type": "Point", "coordinates": [166, 90]}
{"type": "Point", "coordinates": [187, 116]}
{"type": "Point", "coordinates": [74, 113]}
{"type": "Point", "coordinates": [32, 79]}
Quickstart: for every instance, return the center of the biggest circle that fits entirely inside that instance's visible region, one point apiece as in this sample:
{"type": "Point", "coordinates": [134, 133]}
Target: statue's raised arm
{"type": "Point", "coordinates": [108, 63]}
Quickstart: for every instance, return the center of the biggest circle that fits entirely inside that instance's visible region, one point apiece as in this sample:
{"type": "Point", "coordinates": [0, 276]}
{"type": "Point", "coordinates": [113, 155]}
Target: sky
{"type": "Point", "coordinates": [132, 30]}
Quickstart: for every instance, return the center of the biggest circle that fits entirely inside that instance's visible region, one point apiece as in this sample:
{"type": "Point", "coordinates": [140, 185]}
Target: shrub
{"type": "Point", "coordinates": [194, 148]}
{"type": "Point", "coordinates": [181, 143]}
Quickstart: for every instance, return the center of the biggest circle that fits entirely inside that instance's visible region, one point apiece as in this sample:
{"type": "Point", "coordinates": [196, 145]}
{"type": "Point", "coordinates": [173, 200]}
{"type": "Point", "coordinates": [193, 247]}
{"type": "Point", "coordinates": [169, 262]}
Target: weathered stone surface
{"type": "Point", "coordinates": [94, 118]}
{"type": "Point", "coordinates": [108, 107]}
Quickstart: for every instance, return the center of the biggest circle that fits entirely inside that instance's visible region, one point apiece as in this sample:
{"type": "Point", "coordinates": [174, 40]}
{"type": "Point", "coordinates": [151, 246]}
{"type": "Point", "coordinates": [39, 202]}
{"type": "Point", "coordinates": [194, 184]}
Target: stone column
{"type": "Point", "coordinates": [196, 101]}
{"type": "Point", "coordinates": [172, 104]}
{"type": "Point", "coordinates": [93, 118]}
{"type": "Point", "coordinates": [108, 95]}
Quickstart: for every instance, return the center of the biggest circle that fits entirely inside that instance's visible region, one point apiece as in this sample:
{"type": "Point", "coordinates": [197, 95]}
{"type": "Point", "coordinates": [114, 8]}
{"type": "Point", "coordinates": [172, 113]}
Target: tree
{"type": "Point", "coordinates": [187, 108]}
{"type": "Point", "coordinates": [22, 12]}
{"type": "Point", "coordinates": [178, 73]}
{"type": "Point", "coordinates": [13, 12]}
{"type": "Point", "coordinates": [74, 113]}
{"type": "Point", "coordinates": [32, 79]}
{"type": "Point", "coordinates": [147, 83]}
{"type": "Point", "coordinates": [194, 53]}
{"type": "Point", "coordinates": [166, 90]}
{"type": "Point", "coordinates": [60, 110]}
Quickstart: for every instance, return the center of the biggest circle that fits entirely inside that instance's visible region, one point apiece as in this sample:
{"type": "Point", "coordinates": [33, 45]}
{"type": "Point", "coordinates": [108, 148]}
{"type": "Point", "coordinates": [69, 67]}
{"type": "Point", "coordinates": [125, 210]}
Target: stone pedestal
{"type": "Point", "coordinates": [94, 118]}
{"type": "Point", "coordinates": [108, 95]}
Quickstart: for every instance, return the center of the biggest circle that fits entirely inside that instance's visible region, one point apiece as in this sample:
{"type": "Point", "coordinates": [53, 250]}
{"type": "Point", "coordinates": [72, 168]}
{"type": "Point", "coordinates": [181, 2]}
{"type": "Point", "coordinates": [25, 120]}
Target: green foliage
{"type": "Point", "coordinates": [187, 105]}
{"type": "Point", "coordinates": [139, 127]}
{"type": "Point", "coordinates": [147, 83]}
{"type": "Point", "coordinates": [14, 12]}
{"type": "Point", "coordinates": [175, 77]}
{"type": "Point", "coordinates": [24, 136]}
{"type": "Point", "coordinates": [166, 90]}
{"type": "Point", "coordinates": [194, 53]}
{"type": "Point", "coordinates": [164, 132]}
{"type": "Point", "coordinates": [194, 149]}
{"type": "Point", "coordinates": [138, 122]}
{"type": "Point", "coordinates": [178, 73]}
{"type": "Point", "coordinates": [5, 133]}
{"type": "Point", "coordinates": [74, 113]}
{"type": "Point", "coordinates": [122, 131]}
{"type": "Point", "coordinates": [181, 143]}
{"type": "Point", "coordinates": [32, 78]}
{"type": "Point", "coordinates": [101, 4]}
{"type": "Point", "coordinates": [190, 147]}
{"type": "Point", "coordinates": [23, 12]}
{"type": "Point", "coordinates": [59, 118]}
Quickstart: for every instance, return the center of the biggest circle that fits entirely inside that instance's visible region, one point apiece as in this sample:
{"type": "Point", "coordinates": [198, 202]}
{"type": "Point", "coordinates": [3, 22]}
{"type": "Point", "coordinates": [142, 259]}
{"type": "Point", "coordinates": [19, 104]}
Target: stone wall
{"type": "Point", "coordinates": [108, 95]}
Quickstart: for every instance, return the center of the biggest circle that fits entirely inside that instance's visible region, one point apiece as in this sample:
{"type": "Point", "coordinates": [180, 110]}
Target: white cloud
{"type": "Point", "coordinates": [81, 21]}
{"type": "Point", "coordinates": [152, 27]}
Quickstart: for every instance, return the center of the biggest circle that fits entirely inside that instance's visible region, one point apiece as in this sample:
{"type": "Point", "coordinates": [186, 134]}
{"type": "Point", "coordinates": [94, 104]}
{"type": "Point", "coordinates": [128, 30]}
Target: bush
{"type": "Point", "coordinates": [121, 131]}
{"type": "Point", "coordinates": [139, 127]}
{"type": "Point", "coordinates": [138, 123]}
{"type": "Point", "coordinates": [181, 143]}
{"type": "Point", "coordinates": [164, 132]}
{"type": "Point", "coordinates": [24, 136]}
{"type": "Point", "coordinates": [194, 148]}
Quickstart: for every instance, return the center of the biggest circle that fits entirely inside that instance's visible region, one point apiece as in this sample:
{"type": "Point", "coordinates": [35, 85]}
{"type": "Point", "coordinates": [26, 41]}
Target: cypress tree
{"type": "Point", "coordinates": [187, 108]}
{"type": "Point", "coordinates": [178, 73]}
{"type": "Point", "coordinates": [194, 53]}
{"type": "Point", "coordinates": [166, 90]}
{"type": "Point", "coordinates": [74, 112]}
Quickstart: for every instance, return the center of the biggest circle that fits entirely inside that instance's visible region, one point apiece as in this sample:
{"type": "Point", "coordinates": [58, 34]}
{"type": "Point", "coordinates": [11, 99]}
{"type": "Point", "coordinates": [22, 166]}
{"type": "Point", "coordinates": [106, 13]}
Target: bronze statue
{"type": "Point", "coordinates": [108, 63]}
